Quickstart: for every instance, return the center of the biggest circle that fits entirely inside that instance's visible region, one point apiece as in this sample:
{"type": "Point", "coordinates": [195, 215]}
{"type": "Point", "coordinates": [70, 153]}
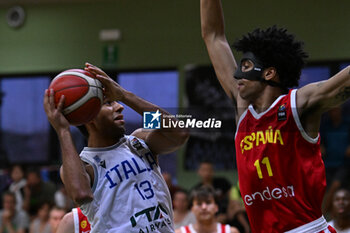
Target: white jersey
{"type": "Point", "coordinates": [130, 194]}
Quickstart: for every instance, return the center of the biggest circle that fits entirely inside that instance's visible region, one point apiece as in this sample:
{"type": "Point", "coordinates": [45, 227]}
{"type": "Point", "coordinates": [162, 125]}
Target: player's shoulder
{"type": "Point", "coordinates": [68, 217]}
{"type": "Point", "coordinates": [137, 145]}
{"type": "Point", "coordinates": [139, 133]}
{"type": "Point", "coordinates": [66, 225]}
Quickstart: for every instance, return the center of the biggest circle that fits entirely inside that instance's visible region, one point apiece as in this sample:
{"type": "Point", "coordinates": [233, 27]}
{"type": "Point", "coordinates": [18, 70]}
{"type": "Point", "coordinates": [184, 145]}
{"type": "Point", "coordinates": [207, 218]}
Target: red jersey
{"type": "Point", "coordinates": [81, 223]}
{"type": "Point", "coordinates": [281, 172]}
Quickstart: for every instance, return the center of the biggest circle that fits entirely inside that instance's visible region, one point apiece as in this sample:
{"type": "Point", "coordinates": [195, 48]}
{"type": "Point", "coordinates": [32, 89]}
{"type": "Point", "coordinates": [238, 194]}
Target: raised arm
{"type": "Point", "coordinates": [160, 141]}
{"type": "Point", "coordinates": [213, 33]}
{"type": "Point", "coordinates": [316, 98]}
{"type": "Point", "coordinates": [74, 174]}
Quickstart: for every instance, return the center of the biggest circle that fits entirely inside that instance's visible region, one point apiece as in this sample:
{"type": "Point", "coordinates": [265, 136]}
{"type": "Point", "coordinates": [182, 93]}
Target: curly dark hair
{"type": "Point", "coordinates": [203, 193]}
{"type": "Point", "coordinates": [275, 47]}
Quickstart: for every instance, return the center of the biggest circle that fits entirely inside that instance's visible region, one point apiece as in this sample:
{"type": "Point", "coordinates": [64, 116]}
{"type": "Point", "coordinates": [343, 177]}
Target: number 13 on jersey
{"type": "Point", "coordinates": [266, 162]}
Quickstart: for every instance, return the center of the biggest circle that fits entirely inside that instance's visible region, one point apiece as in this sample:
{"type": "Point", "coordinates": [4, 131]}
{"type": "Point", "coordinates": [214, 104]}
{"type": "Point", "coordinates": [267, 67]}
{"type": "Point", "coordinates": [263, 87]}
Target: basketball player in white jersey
{"type": "Point", "coordinates": [116, 180]}
{"type": "Point", "coordinates": [204, 207]}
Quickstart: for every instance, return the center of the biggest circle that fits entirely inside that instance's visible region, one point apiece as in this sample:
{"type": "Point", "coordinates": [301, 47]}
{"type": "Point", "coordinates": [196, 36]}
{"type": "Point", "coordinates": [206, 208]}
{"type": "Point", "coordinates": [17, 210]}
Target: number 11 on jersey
{"type": "Point", "coordinates": [266, 162]}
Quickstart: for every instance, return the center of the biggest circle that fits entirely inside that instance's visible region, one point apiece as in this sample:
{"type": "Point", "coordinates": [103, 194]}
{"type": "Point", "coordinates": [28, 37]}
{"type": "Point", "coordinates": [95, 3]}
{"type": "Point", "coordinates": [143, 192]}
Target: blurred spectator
{"type": "Point", "coordinates": [62, 199]}
{"type": "Point", "coordinates": [5, 182]}
{"type": "Point", "coordinates": [55, 217]}
{"type": "Point", "coordinates": [182, 213]}
{"type": "Point", "coordinates": [11, 219]}
{"type": "Point", "coordinates": [17, 185]}
{"type": "Point", "coordinates": [236, 214]}
{"type": "Point", "coordinates": [335, 140]}
{"type": "Point", "coordinates": [41, 223]}
{"type": "Point", "coordinates": [220, 184]}
{"type": "Point", "coordinates": [341, 211]}
{"type": "Point", "coordinates": [37, 191]}
{"type": "Point", "coordinates": [339, 181]}
{"type": "Point", "coordinates": [172, 187]}
{"type": "Point", "coordinates": [204, 207]}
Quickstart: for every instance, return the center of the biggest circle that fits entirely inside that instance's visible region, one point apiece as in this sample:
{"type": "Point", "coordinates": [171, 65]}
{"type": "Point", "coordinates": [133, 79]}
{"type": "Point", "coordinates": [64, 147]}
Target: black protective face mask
{"type": "Point", "coordinates": [254, 74]}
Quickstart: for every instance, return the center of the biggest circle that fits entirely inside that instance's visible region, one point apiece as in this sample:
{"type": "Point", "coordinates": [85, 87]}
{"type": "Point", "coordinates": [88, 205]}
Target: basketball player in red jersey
{"type": "Point", "coordinates": [281, 173]}
{"type": "Point", "coordinates": [204, 207]}
{"type": "Point", "coordinates": [74, 222]}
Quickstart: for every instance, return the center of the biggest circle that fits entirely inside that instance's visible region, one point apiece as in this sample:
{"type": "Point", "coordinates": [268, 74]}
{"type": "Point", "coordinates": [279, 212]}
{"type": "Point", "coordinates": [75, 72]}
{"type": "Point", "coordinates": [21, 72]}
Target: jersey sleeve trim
{"type": "Point", "coordinates": [228, 228]}
{"type": "Point", "coordinates": [86, 160]}
{"type": "Point", "coordinates": [75, 220]}
{"type": "Point", "coordinates": [297, 119]}
{"type": "Point", "coordinates": [192, 228]}
{"type": "Point", "coordinates": [240, 120]}
{"type": "Point", "coordinates": [317, 225]}
{"type": "Point", "coordinates": [185, 229]}
{"type": "Point", "coordinates": [132, 142]}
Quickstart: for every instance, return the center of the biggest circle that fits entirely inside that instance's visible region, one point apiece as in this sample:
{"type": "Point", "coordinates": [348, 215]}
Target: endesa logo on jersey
{"type": "Point", "coordinates": [155, 120]}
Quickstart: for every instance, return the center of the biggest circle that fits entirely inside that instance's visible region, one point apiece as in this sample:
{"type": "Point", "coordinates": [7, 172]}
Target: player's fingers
{"type": "Point", "coordinates": [51, 95]}
{"type": "Point", "coordinates": [94, 69]}
{"type": "Point", "coordinates": [46, 100]}
{"type": "Point", "coordinates": [90, 68]}
{"type": "Point", "coordinates": [103, 79]}
{"type": "Point", "coordinates": [46, 96]}
{"type": "Point", "coordinates": [61, 103]}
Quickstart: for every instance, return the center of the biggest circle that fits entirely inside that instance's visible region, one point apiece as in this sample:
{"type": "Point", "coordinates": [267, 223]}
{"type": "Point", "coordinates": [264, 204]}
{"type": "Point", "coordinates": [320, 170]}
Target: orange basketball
{"type": "Point", "coordinates": [83, 95]}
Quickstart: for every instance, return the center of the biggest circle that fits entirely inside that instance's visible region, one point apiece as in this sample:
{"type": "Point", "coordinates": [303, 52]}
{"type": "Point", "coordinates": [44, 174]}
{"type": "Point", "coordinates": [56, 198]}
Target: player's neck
{"type": "Point", "coordinates": [209, 226]}
{"type": "Point", "coordinates": [266, 98]}
{"type": "Point", "coordinates": [100, 141]}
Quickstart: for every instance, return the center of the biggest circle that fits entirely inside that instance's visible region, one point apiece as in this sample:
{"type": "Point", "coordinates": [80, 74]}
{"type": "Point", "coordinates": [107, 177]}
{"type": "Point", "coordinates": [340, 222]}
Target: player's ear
{"type": "Point", "coordinates": [270, 73]}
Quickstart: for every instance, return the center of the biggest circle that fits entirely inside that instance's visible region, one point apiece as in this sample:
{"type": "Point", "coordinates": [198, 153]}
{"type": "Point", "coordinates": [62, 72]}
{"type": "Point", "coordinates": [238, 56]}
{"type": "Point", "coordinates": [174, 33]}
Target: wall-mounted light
{"type": "Point", "coordinates": [15, 16]}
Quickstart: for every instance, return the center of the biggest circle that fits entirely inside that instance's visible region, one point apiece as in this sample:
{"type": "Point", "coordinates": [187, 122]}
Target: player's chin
{"type": "Point", "coordinates": [120, 122]}
{"type": "Point", "coordinates": [244, 94]}
{"type": "Point", "coordinates": [118, 125]}
{"type": "Point", "coordinates": [122, 129]}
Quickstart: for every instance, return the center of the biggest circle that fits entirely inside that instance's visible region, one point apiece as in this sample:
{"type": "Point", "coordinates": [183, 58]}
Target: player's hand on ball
{"type": "Point", "coordinates": [112, 89]}
{"type": "Point", "coordinates": [55, 115]}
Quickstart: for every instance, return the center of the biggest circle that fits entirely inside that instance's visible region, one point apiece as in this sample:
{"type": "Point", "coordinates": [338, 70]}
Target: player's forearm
{"type": "Point", "coordinates": [212, 20]}
{"type": "Point", "coordinates": [140, 105]}
{"type": "Point", "coordinates": [174, 135]}
{"type": "Point", "coordinates": [343, 93]}
{"type": "Point", "coordinates": [75, 177]}
{"type": "Point", "coordinates": [328, 94]}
